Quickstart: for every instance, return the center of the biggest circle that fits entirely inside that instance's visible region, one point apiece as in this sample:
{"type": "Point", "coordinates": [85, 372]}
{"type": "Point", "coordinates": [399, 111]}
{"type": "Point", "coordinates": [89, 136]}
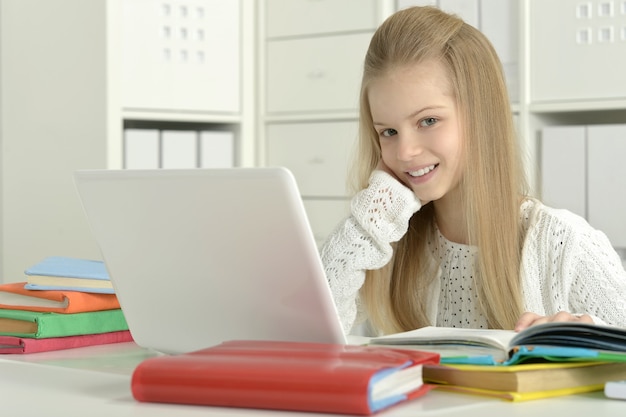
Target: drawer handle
{"type": "Point", "coordinates": [316, 74]}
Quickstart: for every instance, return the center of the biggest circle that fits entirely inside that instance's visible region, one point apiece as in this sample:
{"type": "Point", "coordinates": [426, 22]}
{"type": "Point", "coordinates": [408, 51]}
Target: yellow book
{"type": "Point", "coordinates": [522, 396]}
{"type": "Point", "coordinates": [526, 381]}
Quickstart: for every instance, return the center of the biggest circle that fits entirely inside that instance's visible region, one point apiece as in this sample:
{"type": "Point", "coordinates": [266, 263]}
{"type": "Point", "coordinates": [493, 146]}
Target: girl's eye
{"type": "Point", "coordinates": [429, 121]}
{"type": "Point", "coordinates": [389, 132]}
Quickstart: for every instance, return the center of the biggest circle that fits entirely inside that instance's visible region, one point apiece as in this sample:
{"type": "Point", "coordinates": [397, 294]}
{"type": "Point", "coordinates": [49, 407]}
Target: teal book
{"type": "Point", "coordinates": [556, 342]}
{"type": "Point", "coordinates": [69, 274]}
{"type": "Point", "coordinates": [22, 323]}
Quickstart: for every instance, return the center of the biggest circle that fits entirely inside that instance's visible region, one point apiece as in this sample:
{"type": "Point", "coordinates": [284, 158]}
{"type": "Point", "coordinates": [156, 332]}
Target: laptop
{"type": "Point", "coordinates": [201, 256]}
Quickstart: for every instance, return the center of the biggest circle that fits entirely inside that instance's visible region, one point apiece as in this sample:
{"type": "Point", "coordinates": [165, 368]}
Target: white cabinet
{"type": "Point", "coordinates": [564, 168]}
{"type": "Point", "coordinates": [316, 153]}
{"type": "Point", "coordinates": [311, 73]}
{"type": "Point", "coordinates": [315, 74]}
{"type": "Point", "coordinates": [582, 57]}
{"type": "Point", "coordinates": [181, 55]}
{"type": "Point", "coordinates": [583, 171]}
{"type": "Point", "coordinates": [606, 204]}
{"type": "Point", "coordinates": [310, 17]}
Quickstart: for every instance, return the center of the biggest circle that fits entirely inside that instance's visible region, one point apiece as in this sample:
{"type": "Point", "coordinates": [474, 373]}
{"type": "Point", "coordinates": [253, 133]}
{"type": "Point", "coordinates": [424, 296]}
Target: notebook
{"type": "Point", "coordinates": [201, 256]}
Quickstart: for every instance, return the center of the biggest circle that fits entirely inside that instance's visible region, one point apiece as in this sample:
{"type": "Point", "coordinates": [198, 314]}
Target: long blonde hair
{"type": "Point", "coordinates": [492, 190]}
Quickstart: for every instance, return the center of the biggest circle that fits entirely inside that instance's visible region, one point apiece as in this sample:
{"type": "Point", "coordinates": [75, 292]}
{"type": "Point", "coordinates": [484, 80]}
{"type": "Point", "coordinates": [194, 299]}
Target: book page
{"type": "Point", "coordinates": [448, 340]}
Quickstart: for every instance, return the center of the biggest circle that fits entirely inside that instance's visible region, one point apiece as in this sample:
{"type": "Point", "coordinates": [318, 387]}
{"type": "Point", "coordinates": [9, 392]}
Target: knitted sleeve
{"type": "Point", "coordinates": [379, 215]}
{"type": "Point", "coordinates": [573, 267]}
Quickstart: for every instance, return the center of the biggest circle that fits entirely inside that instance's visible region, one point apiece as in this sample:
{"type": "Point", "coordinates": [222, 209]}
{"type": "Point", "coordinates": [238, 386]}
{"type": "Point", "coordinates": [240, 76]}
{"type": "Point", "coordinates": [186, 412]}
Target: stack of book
{"type": "Point", "coordinates": [64, 303]}
{"type": "Point", "coordinates": [546, 360]}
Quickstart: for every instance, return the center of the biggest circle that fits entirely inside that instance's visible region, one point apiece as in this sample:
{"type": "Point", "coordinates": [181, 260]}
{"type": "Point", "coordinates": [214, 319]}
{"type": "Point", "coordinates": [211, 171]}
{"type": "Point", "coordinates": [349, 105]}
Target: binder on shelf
{"type": "Point", "coordinates": [217, 149]}
{"type": "Point", "coordinates": [179, 149]}
{"type": "Point", "coordinates": [564, 180]}
{"type": "Point", "coordinates": [141, 148]}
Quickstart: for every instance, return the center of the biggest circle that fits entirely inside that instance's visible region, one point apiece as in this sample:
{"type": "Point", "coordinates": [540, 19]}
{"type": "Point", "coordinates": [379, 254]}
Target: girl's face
{"type": "Point", "coordinates": [418, 125]}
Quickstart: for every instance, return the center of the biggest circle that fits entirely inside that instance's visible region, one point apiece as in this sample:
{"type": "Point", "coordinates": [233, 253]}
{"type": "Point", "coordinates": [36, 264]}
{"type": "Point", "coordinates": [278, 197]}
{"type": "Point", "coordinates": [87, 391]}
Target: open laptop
{"type": "Point", "coordinates": [201, 256]}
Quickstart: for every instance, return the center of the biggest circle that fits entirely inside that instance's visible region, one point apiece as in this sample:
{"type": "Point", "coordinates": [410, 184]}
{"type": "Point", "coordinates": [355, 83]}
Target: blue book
{"type": "Point", "coordinates": [69, 274]}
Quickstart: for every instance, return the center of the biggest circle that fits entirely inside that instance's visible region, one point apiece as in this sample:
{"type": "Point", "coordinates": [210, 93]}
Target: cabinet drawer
{"type": "Point", "coordinates": [585, 58]}
{"type": "Point", "coordinates": [318, 74]}
{"type": "Point", "coordinates": [564, 180]}
{"type": "Point", "coordinates": [181, 56]}
{"type": "Point", "coordinates": [324, 216]}
{"type": "Point", "coordinates": [606, 200]}
{"type": "Point", "coordinates": [305, 17]}
{"type": "Point", "coordinates": [316, 153]}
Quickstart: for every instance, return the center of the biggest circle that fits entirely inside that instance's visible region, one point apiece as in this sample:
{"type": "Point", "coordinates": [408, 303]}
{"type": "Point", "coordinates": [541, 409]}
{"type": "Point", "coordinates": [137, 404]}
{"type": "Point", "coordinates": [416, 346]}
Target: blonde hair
{"type": "Point", "coordinates": [492, 190]}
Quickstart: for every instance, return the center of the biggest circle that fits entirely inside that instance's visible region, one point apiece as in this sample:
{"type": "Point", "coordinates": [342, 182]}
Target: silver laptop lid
{"type": "Point", "coordinates": [201, 256]}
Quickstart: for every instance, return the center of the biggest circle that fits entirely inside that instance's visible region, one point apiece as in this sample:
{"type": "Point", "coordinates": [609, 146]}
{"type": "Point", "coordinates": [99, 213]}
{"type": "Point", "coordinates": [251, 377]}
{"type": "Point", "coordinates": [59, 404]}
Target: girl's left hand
{"type": "Point", "coordinates": [530, 319]}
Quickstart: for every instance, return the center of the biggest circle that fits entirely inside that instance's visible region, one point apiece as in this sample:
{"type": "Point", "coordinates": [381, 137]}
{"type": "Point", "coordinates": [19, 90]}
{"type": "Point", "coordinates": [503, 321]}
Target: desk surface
{"type": "Point", "coordinates": [95, 381]}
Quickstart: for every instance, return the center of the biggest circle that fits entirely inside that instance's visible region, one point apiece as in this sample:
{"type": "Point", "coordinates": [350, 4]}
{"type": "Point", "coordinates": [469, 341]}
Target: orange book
{"type": "Point", "coordinates": [297, 376]}
{"type": "Point", "coordinates": [14, 296]}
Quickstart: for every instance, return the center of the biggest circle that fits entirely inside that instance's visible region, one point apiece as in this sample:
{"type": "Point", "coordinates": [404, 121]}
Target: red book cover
{"type": "Point", "coordinates": [14, 344]}
{"type": "Point", "coordinates": [315, 377]}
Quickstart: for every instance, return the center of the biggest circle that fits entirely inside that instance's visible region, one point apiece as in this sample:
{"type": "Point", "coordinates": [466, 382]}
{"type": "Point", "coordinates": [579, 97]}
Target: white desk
{"type": "Point", "coordinates": [95, 381]}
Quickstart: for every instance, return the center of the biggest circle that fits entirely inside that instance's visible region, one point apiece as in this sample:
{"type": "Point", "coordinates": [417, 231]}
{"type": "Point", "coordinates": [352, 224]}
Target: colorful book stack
{"type": "Point", "coordinates": [75, 307]}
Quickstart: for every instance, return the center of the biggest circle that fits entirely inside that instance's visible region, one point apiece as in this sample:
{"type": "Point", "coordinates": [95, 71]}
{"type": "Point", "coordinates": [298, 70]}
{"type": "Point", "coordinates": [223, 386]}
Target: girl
{"type": "Point", "coordinates": [442, 231]}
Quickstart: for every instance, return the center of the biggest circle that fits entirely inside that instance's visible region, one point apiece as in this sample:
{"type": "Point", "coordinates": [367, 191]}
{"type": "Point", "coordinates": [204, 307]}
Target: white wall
{"type": "Point", "coordinates": [53, 79]}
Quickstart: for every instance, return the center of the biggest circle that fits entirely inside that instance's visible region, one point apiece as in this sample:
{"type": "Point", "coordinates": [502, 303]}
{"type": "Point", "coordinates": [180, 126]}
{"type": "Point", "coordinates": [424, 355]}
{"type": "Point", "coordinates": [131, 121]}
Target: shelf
{"type": "Point", "coordinates": [177, 116]}
{"type": "Point", "coordinates": [308, 117]}
{"type": "Point", "coordinates": [578, 106]}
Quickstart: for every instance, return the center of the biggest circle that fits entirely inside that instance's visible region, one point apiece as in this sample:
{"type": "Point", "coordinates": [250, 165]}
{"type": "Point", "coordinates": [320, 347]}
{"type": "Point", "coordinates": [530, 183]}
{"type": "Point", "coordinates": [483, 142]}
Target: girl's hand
{"type": "Point", "coordinates": [530, 319]}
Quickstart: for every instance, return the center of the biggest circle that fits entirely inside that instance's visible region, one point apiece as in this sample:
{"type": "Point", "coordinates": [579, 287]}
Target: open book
{"type": "Point", "coordinates": [560, 341]}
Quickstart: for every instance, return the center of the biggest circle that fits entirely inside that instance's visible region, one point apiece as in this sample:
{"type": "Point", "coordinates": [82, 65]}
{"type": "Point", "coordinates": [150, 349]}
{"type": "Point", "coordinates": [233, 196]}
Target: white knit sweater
{"type": "Point", "coordinates": [566, 264]}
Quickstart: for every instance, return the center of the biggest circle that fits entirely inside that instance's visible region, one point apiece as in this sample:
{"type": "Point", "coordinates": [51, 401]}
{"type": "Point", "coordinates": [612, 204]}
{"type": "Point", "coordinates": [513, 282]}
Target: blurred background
{"type": "Point", "coordinates": [135, 84]}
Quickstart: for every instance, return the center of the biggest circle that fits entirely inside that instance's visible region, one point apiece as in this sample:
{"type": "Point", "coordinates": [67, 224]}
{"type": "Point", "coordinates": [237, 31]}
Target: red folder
{"type": "Point", "coordinates": [316, 377]}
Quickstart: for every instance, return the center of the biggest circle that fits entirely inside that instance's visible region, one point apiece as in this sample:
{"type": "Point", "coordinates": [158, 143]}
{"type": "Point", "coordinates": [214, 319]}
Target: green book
{"type": "Point", "coordinates": [40, 325]}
